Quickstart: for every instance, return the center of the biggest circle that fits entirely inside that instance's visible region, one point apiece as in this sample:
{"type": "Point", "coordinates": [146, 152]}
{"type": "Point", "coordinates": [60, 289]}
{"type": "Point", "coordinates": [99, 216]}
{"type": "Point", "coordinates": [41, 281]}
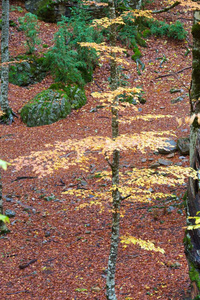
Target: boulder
{"type": "Point", "coordinates": [45, 108]}
{"type": "Point", "coordinates": [183, 145]}
{"type": "Point", "coordinates": [52, 104]}
{"type": "Point", "coordinates": [52, 11]}
{"type": "Point", "coordinates": [170, 147]}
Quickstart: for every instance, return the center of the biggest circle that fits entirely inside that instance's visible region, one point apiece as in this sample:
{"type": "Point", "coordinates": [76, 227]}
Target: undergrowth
{"type": "Point", "coordinates": [67, 60]}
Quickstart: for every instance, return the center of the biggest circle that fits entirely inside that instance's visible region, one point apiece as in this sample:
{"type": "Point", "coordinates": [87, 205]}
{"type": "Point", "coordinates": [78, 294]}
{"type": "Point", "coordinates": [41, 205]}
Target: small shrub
{"type": "Point", "coordinates": [68, 61]}
{"type": "Point", "coordinates": [30, 71]}
{"type": "Point", "coordinates": [30, 27]}
{"type": "Point", "coordinates": [160, 28]}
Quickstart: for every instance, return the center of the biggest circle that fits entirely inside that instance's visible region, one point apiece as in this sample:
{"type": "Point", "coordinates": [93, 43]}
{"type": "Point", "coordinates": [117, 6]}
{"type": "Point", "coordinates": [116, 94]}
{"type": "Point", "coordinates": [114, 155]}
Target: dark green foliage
{"type": "Point", "coordinates": [45, 108]}
{"type": "Point", "coordinates": [68, 61]}
{"type": "Point", "coordinates": [129, 33]}
{"type": "Point", "coordinates": [29, 25]}
{"type": "Point", "coordinates": [159, 28]}
{"type": "Point", "coordinates": [196, 31]}
{"type": "Point", "coordinates": [30, 71]}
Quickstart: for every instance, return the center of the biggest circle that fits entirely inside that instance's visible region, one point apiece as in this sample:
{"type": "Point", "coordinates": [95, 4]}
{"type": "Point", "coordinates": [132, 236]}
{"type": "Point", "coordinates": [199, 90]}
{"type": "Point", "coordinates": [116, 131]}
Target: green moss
{"type": "Point", "coordinates": [196, 31]}
{"type": "Point", "coordinates": [137, 54]}
{"type": "Point", "coordinates": [187, 242]}
{"type": "Point", "coordinates": [46, 108]}
{"type": "Point", "coordinates": [46, 11]}
{"type": "Point", "coordinates": [194, 275]}
{"type": "Point", "coordinates": [30, 71]}
{"type": "Point", "coordinates": [76, 94]}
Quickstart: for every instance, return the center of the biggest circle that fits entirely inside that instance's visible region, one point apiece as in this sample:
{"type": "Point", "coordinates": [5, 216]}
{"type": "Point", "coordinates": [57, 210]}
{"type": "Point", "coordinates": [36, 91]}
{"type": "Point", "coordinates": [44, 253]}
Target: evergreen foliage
{"type": "Point", "coordinates": [160, 28]}
{"type": "Point", "coordinates": [67, 60]}
{"type": "Point", "coordinates": [30, 27]}
{"type": "Point", "coordinates": [136, 29]}
{"type": "Point", "coordinates": [29, 71]}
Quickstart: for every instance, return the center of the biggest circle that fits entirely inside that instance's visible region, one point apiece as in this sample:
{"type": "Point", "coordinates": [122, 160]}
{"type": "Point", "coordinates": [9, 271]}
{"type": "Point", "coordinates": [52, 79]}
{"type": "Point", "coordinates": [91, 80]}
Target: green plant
{"type": "Point", "coordinates": [129, 33]}
{"type": "Point", "coordinates": [29, 70]}
{"type": "Point", "coordinates": [14, 8]}
{"type": "Point", "coordinates": [30, 27]}
{"type": "Point", "coordinates": [160, 28]}
{"type": "Point", "coordinates": [67, 60]}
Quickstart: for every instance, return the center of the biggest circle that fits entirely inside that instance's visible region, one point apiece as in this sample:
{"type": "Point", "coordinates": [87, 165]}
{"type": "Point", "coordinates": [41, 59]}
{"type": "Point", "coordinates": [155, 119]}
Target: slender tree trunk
{"type": "Point", "coordinates": [110, 283]}
{"type": "Point", "coordinates": [192, 237]}
{"type": "Point", "coordinates": [4, 60]}
{"type": "Point", "coordinates": [3, 227]}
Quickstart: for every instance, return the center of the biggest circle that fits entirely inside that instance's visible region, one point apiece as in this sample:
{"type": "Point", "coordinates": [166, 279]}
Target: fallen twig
{"type": "Point", "coordinates": [27, 264]}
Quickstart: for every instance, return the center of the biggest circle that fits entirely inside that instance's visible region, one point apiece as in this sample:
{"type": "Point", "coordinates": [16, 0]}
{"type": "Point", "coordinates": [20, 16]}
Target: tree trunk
{"type": "Point", "coordinates": [192, 237]}
{"type": "Point", "coordinates": [4, 60]}
{"type": "Point", "coordinates": [3, 227]}
{"type": "Point", "coordinates": [110, 283]}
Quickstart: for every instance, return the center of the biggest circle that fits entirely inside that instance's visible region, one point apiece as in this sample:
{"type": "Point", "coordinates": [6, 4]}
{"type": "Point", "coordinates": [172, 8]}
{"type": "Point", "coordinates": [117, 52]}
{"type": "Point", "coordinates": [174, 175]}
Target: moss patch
{"type": "Point", "coordinates": [45, 108]}
{"type": "Point", "coordinates": [76, 94]}
{"type": "Point", "coordinates": [30, 71]}
{"type": "Point", "coordinates": [46, 11]}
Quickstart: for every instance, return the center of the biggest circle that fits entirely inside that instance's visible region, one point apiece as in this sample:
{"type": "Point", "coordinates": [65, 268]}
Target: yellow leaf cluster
{"type": "Point", "coordinates": [146, 245]}
{"type": "Point", "coordinates": [107, 22]}
{"type": "Point", "coordinates": [139, 13]}
{"type": "Point", "coordinates": [191, 5]}
{"type": "Point", "coordinates": [95, 3]}
{"type": "Point", "coordinates": [197, 222]}
{"type": "Point", "coordinates": [81, 152]}
{"type": "Point", "coordinates": [107, 51]}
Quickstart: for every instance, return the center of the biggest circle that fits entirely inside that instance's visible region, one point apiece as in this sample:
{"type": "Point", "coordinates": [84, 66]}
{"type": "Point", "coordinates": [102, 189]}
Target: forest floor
{"type": "Point", "coordinates": [69, 248]}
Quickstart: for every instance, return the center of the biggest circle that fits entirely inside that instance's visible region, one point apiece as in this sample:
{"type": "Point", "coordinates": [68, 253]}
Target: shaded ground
{"type": "Point", "coordinates": [71, 246]}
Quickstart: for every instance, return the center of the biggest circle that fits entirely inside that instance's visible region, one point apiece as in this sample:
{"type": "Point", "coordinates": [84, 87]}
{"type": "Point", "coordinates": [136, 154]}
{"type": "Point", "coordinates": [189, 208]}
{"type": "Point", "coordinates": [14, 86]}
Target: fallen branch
{"type": "Point", "coordinates": [173, 73]}
{"type": "Point", "coordinates": [27, 264]}
{"type": "Point", "coordinates": [166, 8]}
{"type": "Point", "coordinates": [24, 177]}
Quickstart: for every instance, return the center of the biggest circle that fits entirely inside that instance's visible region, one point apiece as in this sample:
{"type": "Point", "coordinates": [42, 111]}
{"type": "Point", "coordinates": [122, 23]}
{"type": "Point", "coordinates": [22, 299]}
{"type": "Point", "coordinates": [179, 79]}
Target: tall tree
{"type": "Point", "coordinates": [110, 282]}
{"type": "Point", "coordinates": [8, 115]}
{"type": "Point", "coordinates": [192, 237]}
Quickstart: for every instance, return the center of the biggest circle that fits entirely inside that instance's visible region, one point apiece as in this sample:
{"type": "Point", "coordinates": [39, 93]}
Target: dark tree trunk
{"type": "Point", "coordinates": [192, 237]}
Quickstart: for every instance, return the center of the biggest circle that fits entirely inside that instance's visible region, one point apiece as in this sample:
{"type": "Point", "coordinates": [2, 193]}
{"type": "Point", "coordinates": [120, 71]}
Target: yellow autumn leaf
{"type": "Point", "coordinates": [146, 245]}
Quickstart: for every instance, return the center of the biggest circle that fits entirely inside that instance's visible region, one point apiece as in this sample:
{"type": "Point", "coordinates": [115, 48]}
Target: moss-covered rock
{"type": "Point", "coordinates": [31, 70]}
{"type": "Point", "coordinates": [45, 108]}
{"type": "Point", "coordinates": [76, 94]}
